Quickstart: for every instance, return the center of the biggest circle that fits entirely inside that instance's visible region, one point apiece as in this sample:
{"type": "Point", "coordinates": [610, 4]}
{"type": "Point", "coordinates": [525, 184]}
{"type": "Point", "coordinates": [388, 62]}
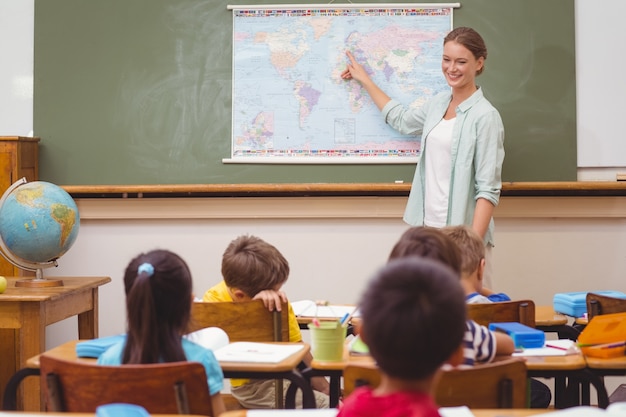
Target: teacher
{"type": "Point", "coordinates": [458, 175]}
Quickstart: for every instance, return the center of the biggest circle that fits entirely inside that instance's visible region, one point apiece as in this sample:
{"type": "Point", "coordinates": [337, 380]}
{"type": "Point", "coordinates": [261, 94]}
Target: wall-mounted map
{"type": "Point", "coordinates": [289, 101]}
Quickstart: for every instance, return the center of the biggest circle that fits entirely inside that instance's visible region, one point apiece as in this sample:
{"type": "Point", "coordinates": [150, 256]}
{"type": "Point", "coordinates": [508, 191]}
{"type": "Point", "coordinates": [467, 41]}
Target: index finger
{"type": "Point", "coordinates": [351, 57]}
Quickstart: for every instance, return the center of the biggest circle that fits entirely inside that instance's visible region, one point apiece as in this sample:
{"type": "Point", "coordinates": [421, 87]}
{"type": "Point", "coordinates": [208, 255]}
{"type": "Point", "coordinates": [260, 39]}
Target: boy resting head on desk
{"type": "Point", "coordinates": [413, 321]}
{"type": "Point", "coordinates": [472, 250]}
{"type": "Point", "coordinates": [255, 270]}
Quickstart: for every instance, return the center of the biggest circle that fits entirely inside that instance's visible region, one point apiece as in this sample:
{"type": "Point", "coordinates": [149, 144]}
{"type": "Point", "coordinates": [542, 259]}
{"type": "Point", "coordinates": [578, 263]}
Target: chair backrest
{"type": "Point", "coordinates": [163, 388]}
{"type": "Point", "coordinates": [248, 321]}
{"type": "Point", "coordinates": [500, 384]}
{"type": "Point", "coordinates": [520, 311]}
{"type": "Point", "coordinates": [358, 374]}
{"type": "Point", "coordinates": [604, 304]}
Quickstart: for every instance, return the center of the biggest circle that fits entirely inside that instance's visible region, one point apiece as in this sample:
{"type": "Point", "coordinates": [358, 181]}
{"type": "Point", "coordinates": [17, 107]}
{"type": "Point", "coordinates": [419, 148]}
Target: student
{"type": "Point", "coordinates": [255, 270]}
{"type": "Point", "coordinates": [158, 288]}
{"type": "Point", "coordinates": [413, 321]}
{"type": "Point", "coordinates": [458, 175]}
{"type": "Point", "coordinates": [473, 265]}
{"type": "Point", "coordinates": [481, 345]}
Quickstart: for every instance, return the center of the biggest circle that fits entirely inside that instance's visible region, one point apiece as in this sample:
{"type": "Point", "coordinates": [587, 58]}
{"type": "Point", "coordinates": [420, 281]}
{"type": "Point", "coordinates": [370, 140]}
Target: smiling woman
{"type": "Point", "coordinates": [458, 176]}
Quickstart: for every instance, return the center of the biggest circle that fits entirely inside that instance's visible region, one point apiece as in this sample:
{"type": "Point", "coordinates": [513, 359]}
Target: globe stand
{"type": "Point", "coordinates": [39, 281]}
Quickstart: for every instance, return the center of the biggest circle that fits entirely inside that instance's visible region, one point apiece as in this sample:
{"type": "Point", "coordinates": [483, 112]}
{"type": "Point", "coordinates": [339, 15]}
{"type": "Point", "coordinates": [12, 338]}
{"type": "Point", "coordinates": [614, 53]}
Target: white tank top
{"type": "Point", "coordinates": [438, 169]}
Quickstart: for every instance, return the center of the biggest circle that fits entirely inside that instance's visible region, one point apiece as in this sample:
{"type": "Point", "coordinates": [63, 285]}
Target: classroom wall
{"type": "Point", "coordinates": [543, 245]}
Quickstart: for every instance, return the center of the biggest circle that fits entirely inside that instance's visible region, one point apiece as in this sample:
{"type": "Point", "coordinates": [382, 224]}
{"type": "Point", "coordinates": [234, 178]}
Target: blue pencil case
{"type": "Point", "coordinates": [93, 348]}
{"type": "Point", "coordinates": [121, 410]}
{"type": "Point", "coordinates": [574, 304]}
{"type": "Point", "coordinates": [522, 335]}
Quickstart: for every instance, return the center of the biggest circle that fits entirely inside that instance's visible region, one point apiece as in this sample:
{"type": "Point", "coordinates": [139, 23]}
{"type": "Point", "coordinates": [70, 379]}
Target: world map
{"type": "Point", "coordinates": [289, 100]}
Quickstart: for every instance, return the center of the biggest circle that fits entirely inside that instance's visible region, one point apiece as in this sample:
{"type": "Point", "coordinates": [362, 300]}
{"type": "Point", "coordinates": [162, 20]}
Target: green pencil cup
{"type": "Point", "coordinates": [327, 340]}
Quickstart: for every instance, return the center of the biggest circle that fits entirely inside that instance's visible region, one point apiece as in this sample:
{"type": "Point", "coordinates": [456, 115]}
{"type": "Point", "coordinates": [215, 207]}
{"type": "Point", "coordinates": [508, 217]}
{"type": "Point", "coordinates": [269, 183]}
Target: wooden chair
{"type": "Point", "coordinates": [359, 374]}
{"type": "Point", "coordinates": [603, 304]}
{"type": "Point", "coordinates": [248, 321]}
{"type": "Point", "coordinates": [521, 311]}
{"type": "Point", "coordinates": [164, 388]}
{"type": "Point", "coordinates": [501, 384]}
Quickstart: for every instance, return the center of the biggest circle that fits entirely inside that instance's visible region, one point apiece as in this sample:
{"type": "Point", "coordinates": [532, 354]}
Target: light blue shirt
{"type": "Point", "coordinates": [193, 353]}
{"type": "Point", "coordinates": [477, 154]}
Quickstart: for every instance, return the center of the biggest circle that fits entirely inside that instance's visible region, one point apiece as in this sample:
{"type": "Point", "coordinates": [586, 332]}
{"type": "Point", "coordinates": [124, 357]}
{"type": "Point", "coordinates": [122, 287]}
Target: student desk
{"type": "Point", "coordinates": [26, 311]}
{"type": "Point", "coordinates": [287, 369]}
{"type": "Point", "coordinates": [607, 367]}
{"type": "Point", "coordinates": [571, 367]}
{"type": "Point", "coordinates": [548, 320]}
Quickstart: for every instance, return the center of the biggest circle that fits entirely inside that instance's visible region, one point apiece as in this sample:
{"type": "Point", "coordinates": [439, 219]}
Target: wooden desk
{"type": "Point", "coordinates": [573, 369]}
{"type": "Point", "coordinates": [548, 320]}
{"type": "Point", "coordinates": [476, 412]}
{"type": "Point", "coordinates": [606, 367]}
{"type": "Point", "coordinates": [560, 368]}
{"type": "Point", "coordinates": [287, 369]}
{"type": "Point", "coordinates": [25, 313]}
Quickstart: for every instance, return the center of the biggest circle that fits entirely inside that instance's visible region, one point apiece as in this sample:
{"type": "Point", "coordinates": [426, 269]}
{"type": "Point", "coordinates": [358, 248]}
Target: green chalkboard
{"type": "Point", "coordinates": [99, 123]}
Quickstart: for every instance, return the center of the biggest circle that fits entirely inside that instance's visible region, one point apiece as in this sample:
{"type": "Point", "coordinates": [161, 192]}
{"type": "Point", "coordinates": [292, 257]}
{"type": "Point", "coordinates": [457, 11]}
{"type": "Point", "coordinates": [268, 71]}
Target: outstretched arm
{"type": "Point", "coordinates": [355, 71]}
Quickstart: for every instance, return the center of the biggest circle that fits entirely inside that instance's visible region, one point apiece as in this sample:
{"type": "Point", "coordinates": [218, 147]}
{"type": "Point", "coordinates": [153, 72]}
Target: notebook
{"type": "Point", "coordinates": [256, 352]}
{"type": "Point", "coordinates": [309, 308]}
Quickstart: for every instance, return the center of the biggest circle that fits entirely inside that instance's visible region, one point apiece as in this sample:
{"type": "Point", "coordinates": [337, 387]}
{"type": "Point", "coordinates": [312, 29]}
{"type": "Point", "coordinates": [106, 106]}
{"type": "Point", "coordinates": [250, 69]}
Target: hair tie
{"type": "Point", "coordinates": [147, 268]}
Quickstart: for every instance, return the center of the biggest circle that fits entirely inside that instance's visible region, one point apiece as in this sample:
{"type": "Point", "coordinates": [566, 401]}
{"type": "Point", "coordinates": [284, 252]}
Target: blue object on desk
{"type": "Point", "coordinates": [522, 335]}
{"type": "Point", "coordinates": [93, 348]}
{"type": "Point", "coordinates": [574, 304]}
{"type": "Point", "coordinates": [121, 410]}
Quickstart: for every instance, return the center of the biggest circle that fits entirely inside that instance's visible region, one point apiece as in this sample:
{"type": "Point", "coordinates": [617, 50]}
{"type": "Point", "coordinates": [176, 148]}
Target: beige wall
{"type": "Point", "coordinates": [543, 245]}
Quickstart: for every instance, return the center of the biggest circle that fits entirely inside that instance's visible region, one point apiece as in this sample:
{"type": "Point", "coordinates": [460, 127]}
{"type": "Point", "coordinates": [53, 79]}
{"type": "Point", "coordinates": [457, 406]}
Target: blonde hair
{"type": "Point", "coordinates": [470, 244]}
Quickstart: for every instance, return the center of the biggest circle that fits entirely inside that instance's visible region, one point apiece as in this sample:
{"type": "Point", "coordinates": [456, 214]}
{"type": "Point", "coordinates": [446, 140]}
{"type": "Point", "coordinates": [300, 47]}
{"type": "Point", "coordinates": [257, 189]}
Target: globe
{"type": "Point", "coordinates": [39, 222]}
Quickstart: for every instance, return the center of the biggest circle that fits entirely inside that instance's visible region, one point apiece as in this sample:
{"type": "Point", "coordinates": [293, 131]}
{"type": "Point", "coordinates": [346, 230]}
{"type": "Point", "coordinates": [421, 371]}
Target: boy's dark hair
{"type": "Point", "coordinates": [252, 265]}
{"type": "Point", "coordinates": [428, 242]}
{"type": "Point", "coordinates": [414, 314]}
{"type": "Point", "coordinates": [158, 289]}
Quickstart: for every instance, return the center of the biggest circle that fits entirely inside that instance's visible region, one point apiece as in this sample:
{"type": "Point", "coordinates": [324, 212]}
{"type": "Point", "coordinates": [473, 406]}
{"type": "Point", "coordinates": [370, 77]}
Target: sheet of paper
{"type": "Point", "coordinates": [256, 352]}
{"type": "Point", "coordinates": [581, 411]}
{"type": "Point", "coordinates": [461, 411]}
{"type": "Point", "coordinates": [308, 308]}
{"type": "Point", "coordinates": [559, 347]}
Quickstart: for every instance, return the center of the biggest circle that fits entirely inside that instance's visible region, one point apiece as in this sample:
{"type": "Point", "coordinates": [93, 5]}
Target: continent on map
{"type": "Point", "coordinates": [258, 133]}
{"type": "Point", "coordinates": [286, 48]}
{"type": "Point", "coordinates": [308, 97]}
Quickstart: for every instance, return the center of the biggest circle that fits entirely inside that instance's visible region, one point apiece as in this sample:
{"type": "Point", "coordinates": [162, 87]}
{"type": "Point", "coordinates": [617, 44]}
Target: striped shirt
{"type": "Point", "coordinates": [479, 344]}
